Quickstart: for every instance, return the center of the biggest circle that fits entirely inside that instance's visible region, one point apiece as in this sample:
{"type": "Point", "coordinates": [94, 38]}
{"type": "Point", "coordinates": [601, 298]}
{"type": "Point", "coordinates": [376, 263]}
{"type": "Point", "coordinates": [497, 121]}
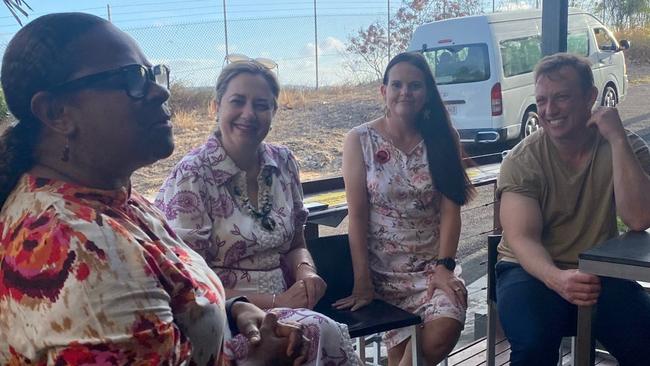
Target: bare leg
{"type": "Point", "coordinates": [439, 337]}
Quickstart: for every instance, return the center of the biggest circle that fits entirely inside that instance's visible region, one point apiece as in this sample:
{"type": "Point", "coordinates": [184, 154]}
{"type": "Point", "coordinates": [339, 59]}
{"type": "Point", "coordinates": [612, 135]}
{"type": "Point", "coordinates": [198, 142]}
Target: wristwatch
{"type": "Point", "coordinates": [449, 263]}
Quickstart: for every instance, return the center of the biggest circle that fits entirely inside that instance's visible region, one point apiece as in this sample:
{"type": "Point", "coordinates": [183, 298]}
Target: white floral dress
{"type": "Point", "coordinates": [201, 202]}
{"type": "Point", "coordinates": [404, 229]}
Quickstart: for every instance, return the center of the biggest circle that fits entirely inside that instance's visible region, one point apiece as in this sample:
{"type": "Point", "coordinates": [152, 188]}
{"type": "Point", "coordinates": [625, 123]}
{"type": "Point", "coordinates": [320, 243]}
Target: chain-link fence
{"type": "Point", "coordinates": [307, 39]}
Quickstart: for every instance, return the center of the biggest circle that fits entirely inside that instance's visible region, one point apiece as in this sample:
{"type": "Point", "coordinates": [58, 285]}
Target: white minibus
{"type": "Point", "coordinates": [483, 67]}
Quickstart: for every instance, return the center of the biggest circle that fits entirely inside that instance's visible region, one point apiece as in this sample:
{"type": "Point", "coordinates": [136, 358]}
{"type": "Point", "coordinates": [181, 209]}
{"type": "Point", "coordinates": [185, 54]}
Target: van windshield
{"type": "Point", "coordinates": [459, 63]}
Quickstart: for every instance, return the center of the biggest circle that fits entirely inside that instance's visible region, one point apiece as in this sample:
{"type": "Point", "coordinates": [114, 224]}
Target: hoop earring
{"type": "Point", "coordinates": [65, 153]}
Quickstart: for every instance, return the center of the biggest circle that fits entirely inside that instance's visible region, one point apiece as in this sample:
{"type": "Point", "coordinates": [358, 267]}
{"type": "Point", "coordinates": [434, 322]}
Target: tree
{"type": "Point", "coordinates": [622, 14]}
{"type": "Point", "coordinates": [373, 44]}
{"type": "Point", "coordinates": [16, 7]}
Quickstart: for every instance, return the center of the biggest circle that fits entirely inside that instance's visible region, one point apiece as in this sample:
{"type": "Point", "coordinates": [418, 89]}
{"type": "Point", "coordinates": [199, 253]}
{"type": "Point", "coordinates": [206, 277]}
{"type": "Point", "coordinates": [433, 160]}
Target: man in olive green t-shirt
{"type": "Point", "coordinates": [561, 190]}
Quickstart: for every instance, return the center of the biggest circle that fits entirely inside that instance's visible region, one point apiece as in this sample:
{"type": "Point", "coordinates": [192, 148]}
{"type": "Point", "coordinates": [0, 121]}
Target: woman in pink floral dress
{"type": "Point", "coordinates": [237, 201]}
{"type": "Point", "coordinates": [405, 182]}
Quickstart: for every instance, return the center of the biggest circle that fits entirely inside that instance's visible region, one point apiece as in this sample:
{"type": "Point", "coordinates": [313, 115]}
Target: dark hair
{"type": "Point", "coordinates": [251, 67]}
{"type": "Point", "coordinates": [553, 63]}
{"type": "Point", "coordinates": [37, 58]}
{"type": "Point", "coordinates": [440, 138]}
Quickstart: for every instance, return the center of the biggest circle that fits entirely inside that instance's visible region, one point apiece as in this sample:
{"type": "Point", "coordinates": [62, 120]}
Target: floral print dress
{"type": "Point", "coordinates": [403, 230]}
{"type": "Point", "coordinates": [97, 277]}
{"type": "Point", "coordinates": [202, 202]}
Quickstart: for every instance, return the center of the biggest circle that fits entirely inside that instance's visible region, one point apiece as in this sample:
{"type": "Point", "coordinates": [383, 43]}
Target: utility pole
{"type": "Point", "coordinates": [225, 26]}
{"type": "Point", "coordinates": [316, 42]}
{"type": "Point", "coordinates": [554, 26]}
{"type": "Point", "coordinates": [108, 11]}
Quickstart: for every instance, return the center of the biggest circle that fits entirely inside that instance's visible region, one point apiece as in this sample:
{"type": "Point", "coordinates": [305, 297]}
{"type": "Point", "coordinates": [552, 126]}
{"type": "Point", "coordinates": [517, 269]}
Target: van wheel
{"type": "Point", "coordinates": [610, 99]}
{"type": "Point", "coordinates": [530, 124]}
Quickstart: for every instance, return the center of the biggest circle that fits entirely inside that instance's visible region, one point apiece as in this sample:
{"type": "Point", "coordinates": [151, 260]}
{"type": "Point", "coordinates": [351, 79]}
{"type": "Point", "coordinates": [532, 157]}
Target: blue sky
{"type": "Point", "coordinates": [189, 34]}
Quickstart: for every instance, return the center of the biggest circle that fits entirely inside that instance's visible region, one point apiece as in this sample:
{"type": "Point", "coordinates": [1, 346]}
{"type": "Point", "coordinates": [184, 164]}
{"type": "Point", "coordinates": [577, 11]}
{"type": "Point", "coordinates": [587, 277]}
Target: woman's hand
{"type": "Point", "coordinates": [362, 295]}
{"type": "Point", "coordinates": [279, 344]}
{"type": "Point", "coordinates": [445, 280]}
{"type": "Point", "coordinates": [294, 297]}
{"type": "Point", "coordinates": [314, 284]}
{"type": "Point", "coordinates": [269, 339]}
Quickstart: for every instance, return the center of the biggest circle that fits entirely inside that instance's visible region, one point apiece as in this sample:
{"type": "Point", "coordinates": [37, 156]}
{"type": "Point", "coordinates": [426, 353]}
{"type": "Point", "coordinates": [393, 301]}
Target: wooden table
{"type": "Point", "coordinates": [626, 256]}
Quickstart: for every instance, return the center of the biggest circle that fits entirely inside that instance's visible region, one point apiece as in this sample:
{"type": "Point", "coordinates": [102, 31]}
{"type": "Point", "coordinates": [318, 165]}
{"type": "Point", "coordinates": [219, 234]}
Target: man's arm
{"type": "Point", "coordinates": [521, 219]}
{"type": "Point", "coordinates": [631, 183]}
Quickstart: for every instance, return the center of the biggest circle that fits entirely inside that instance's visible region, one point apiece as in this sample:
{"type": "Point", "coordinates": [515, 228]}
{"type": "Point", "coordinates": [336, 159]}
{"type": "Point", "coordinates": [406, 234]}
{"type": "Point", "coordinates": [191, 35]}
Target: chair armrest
{"type": "Point", "coordinates": [378, 316]}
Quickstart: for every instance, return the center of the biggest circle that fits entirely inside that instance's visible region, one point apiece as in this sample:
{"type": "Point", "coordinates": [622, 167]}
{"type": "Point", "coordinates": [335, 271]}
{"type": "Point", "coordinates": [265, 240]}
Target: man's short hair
{"type": "Point", "coordinates": [553, 63]}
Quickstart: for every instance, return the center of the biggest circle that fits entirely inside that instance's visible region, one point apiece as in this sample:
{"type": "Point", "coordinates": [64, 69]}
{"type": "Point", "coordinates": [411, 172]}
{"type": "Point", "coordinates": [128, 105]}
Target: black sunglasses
{"type": "Point", "coordinates": [133, 78]}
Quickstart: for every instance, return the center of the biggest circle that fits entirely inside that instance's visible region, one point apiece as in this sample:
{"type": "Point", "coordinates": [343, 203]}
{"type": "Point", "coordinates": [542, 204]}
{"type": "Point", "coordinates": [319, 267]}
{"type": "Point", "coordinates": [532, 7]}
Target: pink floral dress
{"type": "Point", "coordinates": [90, 277]}
{"type": "Point", "coordinates": [404, 229]}
{"type": "Point", "coordinates": [201, 203]}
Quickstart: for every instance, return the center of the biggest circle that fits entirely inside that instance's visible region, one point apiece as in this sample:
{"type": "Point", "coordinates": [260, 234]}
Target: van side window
{"type": "Point", "coordinates": [459, 63]}
{"type": "Point", "coordinates": [578, 43]}
{"type": "Point", "coordinates": [520, 55]}
{"type": "Point", "coordinates": [605, 40]}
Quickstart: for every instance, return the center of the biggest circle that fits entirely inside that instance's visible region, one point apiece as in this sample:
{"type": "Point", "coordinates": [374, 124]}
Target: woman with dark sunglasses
{"type": "Point", "coordinates": [89, 270]}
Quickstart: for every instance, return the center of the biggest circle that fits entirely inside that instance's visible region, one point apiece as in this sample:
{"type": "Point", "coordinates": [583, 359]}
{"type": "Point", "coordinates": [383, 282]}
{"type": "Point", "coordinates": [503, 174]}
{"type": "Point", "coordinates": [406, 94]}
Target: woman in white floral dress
{"type": "Point", "coordinates": [405, 182]}
{"type": "Point", "coordinates": [237, 201]}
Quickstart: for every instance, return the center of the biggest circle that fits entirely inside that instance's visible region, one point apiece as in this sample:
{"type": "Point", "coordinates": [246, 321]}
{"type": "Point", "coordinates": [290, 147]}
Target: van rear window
{"type": "Point", "coordinates": [459, 63]}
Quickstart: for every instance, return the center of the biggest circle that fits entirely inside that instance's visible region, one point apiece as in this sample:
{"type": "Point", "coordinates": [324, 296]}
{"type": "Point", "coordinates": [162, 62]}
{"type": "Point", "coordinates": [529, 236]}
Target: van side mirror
{"type": "Point", "coordinates": [623, 45]}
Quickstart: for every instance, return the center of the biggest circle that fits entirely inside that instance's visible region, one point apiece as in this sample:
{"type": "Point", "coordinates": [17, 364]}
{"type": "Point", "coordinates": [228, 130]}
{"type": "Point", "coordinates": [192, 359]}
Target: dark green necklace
{"type": "Point", "coordinates": [265, 204]}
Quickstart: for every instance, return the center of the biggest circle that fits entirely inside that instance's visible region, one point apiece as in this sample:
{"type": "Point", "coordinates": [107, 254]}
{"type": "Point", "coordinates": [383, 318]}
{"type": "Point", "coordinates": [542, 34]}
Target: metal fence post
{"type": "Point", "coordinates": [316, 42]}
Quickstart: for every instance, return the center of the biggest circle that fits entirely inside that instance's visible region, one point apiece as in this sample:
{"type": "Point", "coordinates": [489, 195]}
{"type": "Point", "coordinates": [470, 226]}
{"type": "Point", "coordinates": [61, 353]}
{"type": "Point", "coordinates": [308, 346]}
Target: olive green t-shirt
{"type": "Point", "coordinates": [578, 208]}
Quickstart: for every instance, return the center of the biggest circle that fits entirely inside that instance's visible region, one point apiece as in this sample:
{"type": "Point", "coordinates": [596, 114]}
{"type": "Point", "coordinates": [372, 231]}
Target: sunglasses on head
{"type": "Point", "coordinates": [238, 57]}
{"type": "Point", "coordinates": [134, 79]}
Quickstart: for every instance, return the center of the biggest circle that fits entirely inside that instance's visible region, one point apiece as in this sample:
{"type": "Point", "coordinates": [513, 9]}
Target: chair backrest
{"type": "Point", "coordinates": [493, 242]}
{"type": "Point", "coordinates": [334, 264]}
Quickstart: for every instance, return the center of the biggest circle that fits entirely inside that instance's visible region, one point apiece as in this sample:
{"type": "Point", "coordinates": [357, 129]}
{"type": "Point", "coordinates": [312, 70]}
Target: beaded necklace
{"type": "Point", "coordinates": [265, 204]}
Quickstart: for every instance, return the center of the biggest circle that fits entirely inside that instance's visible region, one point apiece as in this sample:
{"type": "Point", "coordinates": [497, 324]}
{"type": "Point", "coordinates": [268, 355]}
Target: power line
{"type": "Point", "coordinates": [250, 11]}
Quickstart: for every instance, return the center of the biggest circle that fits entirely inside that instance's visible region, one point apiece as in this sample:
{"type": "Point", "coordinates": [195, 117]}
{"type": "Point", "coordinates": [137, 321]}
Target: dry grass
{"type": "Point", "coordinates": [291, 98]}
{"type": "Point", "coordinates": [186, 119]}
{"type": "Point", "coordinates": [639, 52]}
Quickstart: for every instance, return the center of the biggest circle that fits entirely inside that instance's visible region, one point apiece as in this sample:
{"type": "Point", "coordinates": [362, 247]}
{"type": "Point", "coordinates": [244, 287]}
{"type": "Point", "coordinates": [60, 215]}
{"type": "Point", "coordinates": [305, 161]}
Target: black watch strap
{"type": "Point", "coordinates": [449, 263]}
{"type": "Point", "coordinates": [232, 322]}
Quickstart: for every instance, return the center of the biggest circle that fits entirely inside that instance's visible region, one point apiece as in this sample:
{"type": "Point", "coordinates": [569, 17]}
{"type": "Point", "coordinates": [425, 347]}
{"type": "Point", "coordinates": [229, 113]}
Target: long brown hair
{"type": "Point", "coordinates": [37, 58]}
{"type": "Point", "coordinates": [440, 138]}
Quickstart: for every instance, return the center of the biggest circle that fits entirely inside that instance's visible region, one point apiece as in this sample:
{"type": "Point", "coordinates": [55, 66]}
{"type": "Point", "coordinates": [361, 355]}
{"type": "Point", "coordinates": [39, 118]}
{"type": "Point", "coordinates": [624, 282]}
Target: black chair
{"type": "Point", "coordinates": [334, 263]}
{"type": "Point", "coordinates": [492, 315]}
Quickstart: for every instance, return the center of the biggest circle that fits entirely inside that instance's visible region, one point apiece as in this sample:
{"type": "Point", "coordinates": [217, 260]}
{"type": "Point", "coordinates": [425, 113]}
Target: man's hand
{"type": "Point", "coordinates": [608, 122]}
{"type": "Point", "coordinates": [578, 288]}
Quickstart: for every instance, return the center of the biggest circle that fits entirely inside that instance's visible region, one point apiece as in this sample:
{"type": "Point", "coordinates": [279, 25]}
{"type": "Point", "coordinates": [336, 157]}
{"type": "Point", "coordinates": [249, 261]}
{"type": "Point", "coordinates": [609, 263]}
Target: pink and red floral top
{"type": "Point", "coordinates": [96, 277]}
{"type": "Point", "coordinates": [200, 201]}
